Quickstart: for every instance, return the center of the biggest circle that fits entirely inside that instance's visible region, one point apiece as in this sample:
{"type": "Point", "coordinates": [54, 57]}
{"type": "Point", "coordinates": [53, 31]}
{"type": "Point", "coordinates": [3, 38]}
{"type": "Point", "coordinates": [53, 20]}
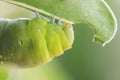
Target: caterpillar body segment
{"type": "Point", "coordinates": [30, 42]}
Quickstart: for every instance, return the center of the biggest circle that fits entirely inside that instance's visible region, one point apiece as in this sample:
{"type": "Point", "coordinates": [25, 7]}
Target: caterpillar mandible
{"type": "Point", "coordinates": [30, 42]}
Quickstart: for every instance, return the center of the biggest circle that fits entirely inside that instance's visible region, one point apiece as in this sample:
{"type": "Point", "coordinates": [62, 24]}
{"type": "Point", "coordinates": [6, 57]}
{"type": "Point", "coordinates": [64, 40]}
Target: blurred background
{"type": "Point", "coordinates": [85, 61]}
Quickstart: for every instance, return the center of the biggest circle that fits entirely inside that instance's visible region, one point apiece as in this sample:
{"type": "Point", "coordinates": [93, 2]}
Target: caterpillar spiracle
{"type": "Point", "coordinates": [30, 42]}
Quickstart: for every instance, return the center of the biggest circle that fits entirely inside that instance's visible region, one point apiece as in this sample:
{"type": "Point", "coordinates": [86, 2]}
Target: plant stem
{"type": "Point", "coordinates": [44, 13]}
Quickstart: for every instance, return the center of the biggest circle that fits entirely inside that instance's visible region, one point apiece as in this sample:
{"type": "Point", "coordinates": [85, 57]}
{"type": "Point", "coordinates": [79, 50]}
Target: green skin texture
{"type": "Point", "coordinates": [28, 43]}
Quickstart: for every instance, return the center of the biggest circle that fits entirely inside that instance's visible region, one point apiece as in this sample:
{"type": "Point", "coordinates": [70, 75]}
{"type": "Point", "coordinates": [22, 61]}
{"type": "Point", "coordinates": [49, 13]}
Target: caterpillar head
{"type": "Point", "coordinates": [27, 43]}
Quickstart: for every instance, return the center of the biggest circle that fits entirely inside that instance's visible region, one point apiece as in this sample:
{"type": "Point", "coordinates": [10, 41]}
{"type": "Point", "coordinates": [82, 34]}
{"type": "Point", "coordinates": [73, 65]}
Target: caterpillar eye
{"type": "Point", "coordinates": [31, 42]}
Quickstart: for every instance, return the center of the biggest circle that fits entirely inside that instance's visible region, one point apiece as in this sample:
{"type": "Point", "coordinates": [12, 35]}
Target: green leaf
{"type": "Point", "coordinates": [96, 13]}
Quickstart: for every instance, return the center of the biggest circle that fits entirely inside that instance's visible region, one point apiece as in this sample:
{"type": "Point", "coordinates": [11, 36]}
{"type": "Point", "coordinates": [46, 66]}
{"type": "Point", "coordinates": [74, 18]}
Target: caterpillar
{"type": "Point", "coordinates": [30, 42]}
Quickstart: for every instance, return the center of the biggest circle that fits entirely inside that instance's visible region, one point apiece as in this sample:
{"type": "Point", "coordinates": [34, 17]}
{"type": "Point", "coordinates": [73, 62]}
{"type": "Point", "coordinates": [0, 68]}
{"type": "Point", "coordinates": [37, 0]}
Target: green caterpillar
{"type": "Point", "coordinates": [30, 42]}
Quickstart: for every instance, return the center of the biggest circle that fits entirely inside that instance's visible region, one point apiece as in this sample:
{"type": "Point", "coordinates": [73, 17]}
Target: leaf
{"type": "Point", "coordinates": [96, 13]}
